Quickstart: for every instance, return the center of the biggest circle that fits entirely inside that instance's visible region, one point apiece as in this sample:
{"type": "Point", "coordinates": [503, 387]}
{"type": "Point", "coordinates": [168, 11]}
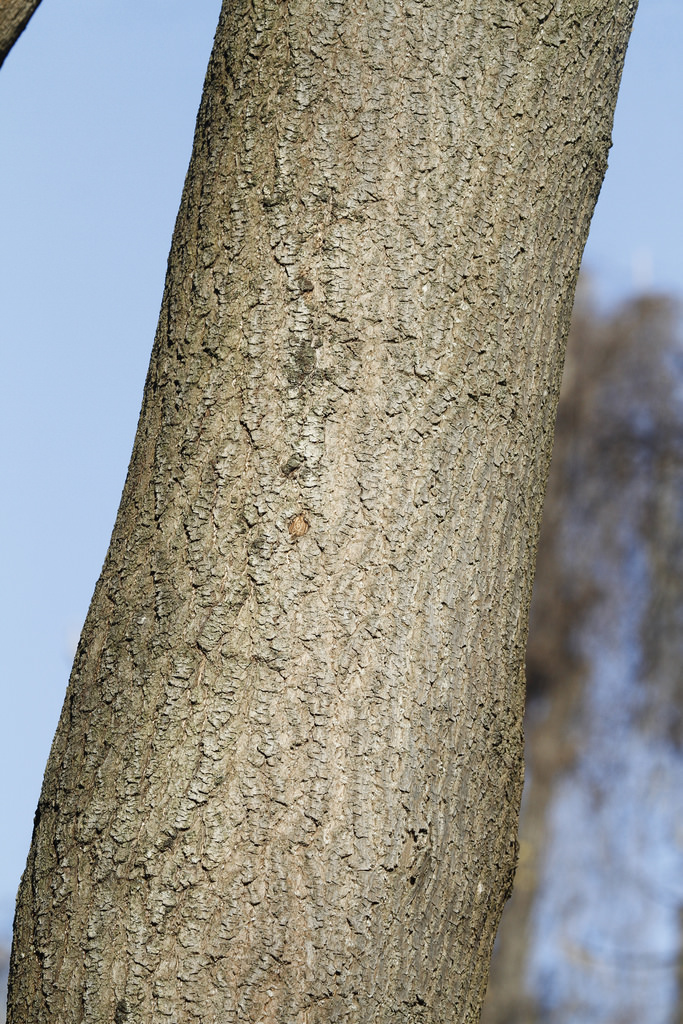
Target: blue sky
{"type": "Point", "coordinates": [97, 108]}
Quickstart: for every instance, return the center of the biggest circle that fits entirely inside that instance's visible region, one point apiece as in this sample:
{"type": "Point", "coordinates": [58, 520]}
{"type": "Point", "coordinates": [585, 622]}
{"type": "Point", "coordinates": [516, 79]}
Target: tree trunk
{"type": "Point", "coordinates": [285, 783]}
{"type": "Point", "coordinates": [14, 17]}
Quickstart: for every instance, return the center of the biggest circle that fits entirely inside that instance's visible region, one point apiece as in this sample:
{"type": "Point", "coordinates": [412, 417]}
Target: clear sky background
{"type": "Point", "coordinates": [97, 108]}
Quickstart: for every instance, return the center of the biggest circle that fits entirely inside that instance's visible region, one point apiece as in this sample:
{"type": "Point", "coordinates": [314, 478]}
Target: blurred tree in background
{"type": "Point", "coordinates": [593, 931]}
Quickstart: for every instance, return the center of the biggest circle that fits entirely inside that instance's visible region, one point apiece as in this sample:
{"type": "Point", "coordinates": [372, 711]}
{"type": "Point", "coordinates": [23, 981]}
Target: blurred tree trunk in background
{"type": "Point", "coordinates": [14, 17]}
{"type": "Point", "coordinates": [285, 782]}
{"type": "Point", "coordinates": [592, 931]}
{"type": "Point", "coordinates": [677, 1017]}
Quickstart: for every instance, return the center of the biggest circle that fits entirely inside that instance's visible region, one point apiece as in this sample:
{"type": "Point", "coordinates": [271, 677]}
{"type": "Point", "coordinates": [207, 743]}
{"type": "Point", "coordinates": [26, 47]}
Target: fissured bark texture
{"type": "Point", "coordinates": [14, 17]}
{"type": "Point", "coordinates": [284, 787]}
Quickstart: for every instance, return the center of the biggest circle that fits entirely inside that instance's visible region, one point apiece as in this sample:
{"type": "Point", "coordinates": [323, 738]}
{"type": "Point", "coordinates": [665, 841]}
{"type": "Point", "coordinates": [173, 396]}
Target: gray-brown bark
{"type": "Point", "coordinates": [14, 17]}
{"type": "Point", "coordinates": [285, 782]}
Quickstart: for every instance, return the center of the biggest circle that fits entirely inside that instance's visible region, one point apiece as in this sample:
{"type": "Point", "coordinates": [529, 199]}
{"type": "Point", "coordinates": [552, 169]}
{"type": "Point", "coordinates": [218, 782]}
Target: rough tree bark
{"type": "Point", "coordinates": [14, 17]}
{"type": "Point", "coordinates": [285, 782]}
